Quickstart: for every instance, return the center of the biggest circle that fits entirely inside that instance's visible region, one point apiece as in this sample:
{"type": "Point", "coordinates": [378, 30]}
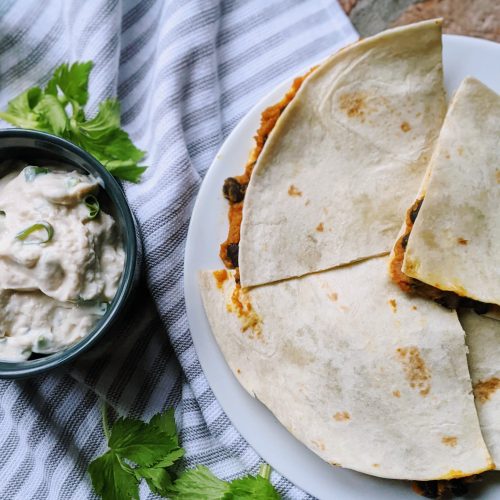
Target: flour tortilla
{"type": "Point", "coordinates": [366, 376]}
{"type": "Point", "coordinates": [455, 242]}
{"type": "Point", "coordinates": [345, 158]}
{"type": "Point", "coordinates": [483, 339]}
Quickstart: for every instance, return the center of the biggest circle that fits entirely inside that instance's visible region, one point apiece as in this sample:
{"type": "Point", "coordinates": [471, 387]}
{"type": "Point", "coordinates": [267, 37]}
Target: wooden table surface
{"type": "Point", "coordinates": [478, 18]}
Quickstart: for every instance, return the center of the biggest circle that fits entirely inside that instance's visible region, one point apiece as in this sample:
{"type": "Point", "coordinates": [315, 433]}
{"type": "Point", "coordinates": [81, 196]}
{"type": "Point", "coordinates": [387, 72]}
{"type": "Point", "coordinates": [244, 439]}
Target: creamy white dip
{"type": "Point", "coordinates": [59, 267]}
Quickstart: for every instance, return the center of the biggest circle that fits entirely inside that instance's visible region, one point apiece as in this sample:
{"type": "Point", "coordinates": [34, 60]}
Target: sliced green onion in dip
{"type": "Point", "coordinates": [71, 182]}
{"type": "Point", "coordinates": [93, 205]}
{"type": "Point", "coordinates": [31, 172]}
{"type": "Point", "coordinates": [38, 226]}
{"type": "Point", "coordinates": [41, 344]}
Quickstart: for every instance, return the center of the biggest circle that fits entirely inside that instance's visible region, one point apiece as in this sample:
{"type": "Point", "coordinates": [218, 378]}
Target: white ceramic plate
{"type": "Point", "coordinates": [463, 56]}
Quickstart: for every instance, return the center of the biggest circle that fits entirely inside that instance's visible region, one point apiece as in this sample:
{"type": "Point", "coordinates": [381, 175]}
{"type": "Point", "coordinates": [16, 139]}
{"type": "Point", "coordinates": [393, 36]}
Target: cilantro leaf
{"type": "Point", "coordinates": [142, 443]}
{"type": "Point", "coordinates": [127, 173]}
{"type": "Point", "coordinates": [248, 488]}
{"type": "Point", "coordinates": [53, 111]}
{"type": "Point", "coordinates": [72, 81]}
{"type": "Point", "coordinates": [158, 479]}
{"type": "Point", "coordinates": [111, 479]}
{"type": "Point", "coordinates": [199, 484]}
{"type": "Point", "coordinates": [103, 137]}
{"type": "Point", "coordinates": [20, 110]}
{"type": "Point", "coordinates": [171, 458]}
{"type": "Point", "coordinates": [107, 118]}
{"type": "Point", "coordinates": [58, 109]}
{"type": "Point", "coordinates": [165, 422]}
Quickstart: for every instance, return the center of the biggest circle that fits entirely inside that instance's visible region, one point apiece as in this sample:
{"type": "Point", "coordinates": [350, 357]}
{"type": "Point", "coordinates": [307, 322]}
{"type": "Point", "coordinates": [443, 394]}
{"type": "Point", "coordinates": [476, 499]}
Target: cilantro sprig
{"type": "Point", "coordinates": [137, 450]}
{"type": "Point", "coordinates": [58, 108]}
{"type": "Point", "coordinates": [201, 484]}
{"type": "Point", "coordinates": [151, 451]}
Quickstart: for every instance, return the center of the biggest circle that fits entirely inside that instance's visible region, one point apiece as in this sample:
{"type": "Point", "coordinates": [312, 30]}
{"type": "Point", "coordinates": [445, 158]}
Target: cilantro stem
{"type": "Point", "coordinates": [75, 108]}
{"type": "Point", "coordinates": [265, 471]}
{"type": "Point", "coordinates": [105, 420]}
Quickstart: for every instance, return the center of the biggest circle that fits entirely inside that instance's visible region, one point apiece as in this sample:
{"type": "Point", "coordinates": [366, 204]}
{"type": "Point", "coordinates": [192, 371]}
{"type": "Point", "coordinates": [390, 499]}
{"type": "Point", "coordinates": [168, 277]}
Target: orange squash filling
{"type": "Point", "coordinates": [235, 187]}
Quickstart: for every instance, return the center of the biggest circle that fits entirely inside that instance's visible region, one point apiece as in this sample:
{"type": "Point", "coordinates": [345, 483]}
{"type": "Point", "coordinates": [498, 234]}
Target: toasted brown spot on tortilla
{"type": "Point", "coordinates": [396, 394]}
{"type": "Point", "coordinates": [485, 388]}
{"type": "Point", "coordinates": [238, 370]}
{"type": "Point", "coordinates": [354, 104]}
{"type": "Point", "coordinates": [297, 355]}
{"type": "Point", "coordinates": [460, 150]}
{"type": "Point", "coordinates": [393, 304]}
{"type": "Point", "coordinates": [341, 416]}
{"type": "Point", "coordinates": [320, 228]}
{"type": "Point", "coordinates": [318, 444]}
{"type": "Point", "coordinates": [497, 175]}
{"type": "Point", "coordinates": [333, 296]}
{"type": "Point", "coordinates": [415, 369]}
{"type": "Point", "coordinates": [220, 277]}
{"type": "Point", "coordinates": [412, 265]}
{"type": "Point", "coordinates": [414, 308]}
{"type": "Point", "coordinates": [405, 127]}
{"type": "Point", "coordinates": [462, 241]}
{"type": "Point", "coordinates": [335, 464]}
{"type": "Point", "coordinates": [430, 238]}
{"type": "Point", "coordinates": [449, 441]}
{"type": "Point", "coordinates": [375, 465]}
{"type": "Point", "coordinates": [293, 191]}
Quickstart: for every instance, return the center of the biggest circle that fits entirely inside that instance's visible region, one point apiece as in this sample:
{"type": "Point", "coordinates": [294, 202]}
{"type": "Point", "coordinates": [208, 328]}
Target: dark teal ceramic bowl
{"type": "Point", "coordinates": [34, 146]}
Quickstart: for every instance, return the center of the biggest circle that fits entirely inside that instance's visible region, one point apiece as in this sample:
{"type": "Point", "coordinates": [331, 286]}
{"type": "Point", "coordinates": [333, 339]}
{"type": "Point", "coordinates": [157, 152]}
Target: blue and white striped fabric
{"type": "Point", "coordinates": [185, 71]}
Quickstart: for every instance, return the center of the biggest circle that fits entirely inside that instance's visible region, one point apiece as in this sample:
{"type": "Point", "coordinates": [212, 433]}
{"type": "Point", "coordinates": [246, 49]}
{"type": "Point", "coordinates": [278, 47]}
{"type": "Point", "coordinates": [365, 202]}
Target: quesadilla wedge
{"type": "Point", "coordinates": [482, 335]}
{"type": "Point", "coordinates": [344, 157]}
{"type": "Point", "coordinates": [449, 248]}
{"type": "Point", "coordinates": [366, 376]}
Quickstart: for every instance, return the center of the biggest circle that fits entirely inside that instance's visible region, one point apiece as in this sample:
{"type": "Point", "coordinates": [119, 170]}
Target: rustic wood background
{"type": "Point", "coordinates": [479, 18]}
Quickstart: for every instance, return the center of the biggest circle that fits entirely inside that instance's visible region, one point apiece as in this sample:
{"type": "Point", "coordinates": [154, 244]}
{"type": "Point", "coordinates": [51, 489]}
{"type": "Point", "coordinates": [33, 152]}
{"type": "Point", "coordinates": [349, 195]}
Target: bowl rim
{"type": "Point", "coordinates": [22, 369]}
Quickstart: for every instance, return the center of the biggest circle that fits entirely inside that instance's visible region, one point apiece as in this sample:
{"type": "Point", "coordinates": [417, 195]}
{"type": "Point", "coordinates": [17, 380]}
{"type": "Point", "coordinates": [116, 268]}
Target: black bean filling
{"type": "Point", "coordinates": [479, 307]}
{"type": "Point", "coordinates": [429, 489]}
{"type": "Point", "coordinates": [451, 300]}
{"type": "Point", "coordinates": [404, 241]}
{"type": "Point", "coordinates": [415, 209]}
{"type": "Point", "coordinates": [233, 191]}
{"type": "Point", "coordinates": [232, 253]}
{"type": "Point", "coordinates": [442, 490]}
{"type": "Point", "coordinates": [458, 488]}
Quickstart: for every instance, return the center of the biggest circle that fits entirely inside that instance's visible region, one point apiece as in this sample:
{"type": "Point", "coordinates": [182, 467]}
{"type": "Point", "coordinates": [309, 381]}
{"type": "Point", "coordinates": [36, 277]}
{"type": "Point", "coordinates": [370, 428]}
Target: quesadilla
{"type": "Point", "coordinates": [366, 376]}
{"type": "Point", "coordinates": [483, 339]}
{"type": "Point", "coordinates": [449, 248]}
{"type": "Point", "coordinates": [344, 158]}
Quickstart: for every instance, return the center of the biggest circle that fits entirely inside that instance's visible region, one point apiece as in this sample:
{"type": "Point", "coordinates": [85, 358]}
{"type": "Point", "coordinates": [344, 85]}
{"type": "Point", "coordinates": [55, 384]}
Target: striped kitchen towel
{"type": "Point", "coordinates": [185, 71]}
